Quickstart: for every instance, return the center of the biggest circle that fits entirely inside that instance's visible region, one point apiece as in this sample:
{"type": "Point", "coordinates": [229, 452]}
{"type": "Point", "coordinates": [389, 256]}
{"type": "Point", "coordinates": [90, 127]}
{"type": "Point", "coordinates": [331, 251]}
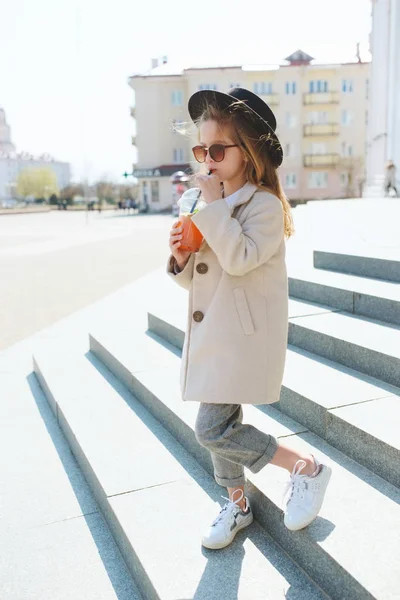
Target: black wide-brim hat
{"type": "Point", "coordinates": [263, 119]}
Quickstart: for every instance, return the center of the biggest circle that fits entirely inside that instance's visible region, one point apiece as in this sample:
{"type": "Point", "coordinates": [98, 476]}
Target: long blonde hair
{"type": "Point", "coordinates": [259, 168]}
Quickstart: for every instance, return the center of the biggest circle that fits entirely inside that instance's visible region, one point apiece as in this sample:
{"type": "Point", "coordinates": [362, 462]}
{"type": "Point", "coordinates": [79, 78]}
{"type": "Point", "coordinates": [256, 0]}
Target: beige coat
{"type": "Point", "coordinates": [236, 337]}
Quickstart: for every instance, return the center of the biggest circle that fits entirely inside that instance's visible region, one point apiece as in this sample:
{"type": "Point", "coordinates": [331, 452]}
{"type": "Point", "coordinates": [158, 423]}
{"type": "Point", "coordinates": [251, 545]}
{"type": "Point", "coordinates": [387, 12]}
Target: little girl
{"type": "Point", "coordinates": [236, 338]}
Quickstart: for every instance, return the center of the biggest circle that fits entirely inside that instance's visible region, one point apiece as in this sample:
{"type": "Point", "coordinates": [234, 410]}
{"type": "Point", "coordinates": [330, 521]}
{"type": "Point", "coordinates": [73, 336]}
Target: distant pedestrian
{"type": "Point", "coordinates": [390, 178]}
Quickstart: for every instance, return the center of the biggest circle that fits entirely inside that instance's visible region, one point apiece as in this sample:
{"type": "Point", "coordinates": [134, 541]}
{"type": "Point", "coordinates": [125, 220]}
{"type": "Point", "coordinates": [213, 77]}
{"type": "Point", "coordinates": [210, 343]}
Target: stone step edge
{"type": "Point", "coordinates": [374, 265]}
{"type": "Point", "coordinates": [390, 475]}
{"type": "Point", "coordinates": [132, 561]}
{"type": "Point", "coordinates": [375, 306]}
{"type": "Point", "coordinates": [123, 541]}
{"type": "Point", "coordinates": [349, 353]}
{"type": "Point", "coordinates": [293, 546]}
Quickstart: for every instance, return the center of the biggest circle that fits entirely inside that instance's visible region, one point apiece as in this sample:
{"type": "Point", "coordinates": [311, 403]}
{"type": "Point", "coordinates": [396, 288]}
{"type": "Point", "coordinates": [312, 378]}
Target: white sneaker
{"type": "Point", "coordinates": [307, 495]}
{"type": "Point", "coordinates": [230, 520]}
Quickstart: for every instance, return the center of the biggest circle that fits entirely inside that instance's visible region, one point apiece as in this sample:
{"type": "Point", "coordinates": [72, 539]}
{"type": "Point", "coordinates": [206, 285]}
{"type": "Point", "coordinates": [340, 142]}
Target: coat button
{"type": "Point", "coordinates": [198, 316]}
{"type": "Point", "coordinates": [202, 268]}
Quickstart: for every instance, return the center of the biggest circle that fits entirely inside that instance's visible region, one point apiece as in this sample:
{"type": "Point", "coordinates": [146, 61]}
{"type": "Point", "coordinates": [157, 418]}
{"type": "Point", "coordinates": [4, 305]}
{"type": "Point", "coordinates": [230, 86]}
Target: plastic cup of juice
{"type": "Point", "coordinates": [191, 235]}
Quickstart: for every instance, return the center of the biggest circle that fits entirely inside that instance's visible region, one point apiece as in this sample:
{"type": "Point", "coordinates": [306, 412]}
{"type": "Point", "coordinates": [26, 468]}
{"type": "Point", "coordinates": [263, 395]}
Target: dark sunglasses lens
{"type": "Point", "coordinates": [199, 153]}
{"type": "Point", "coordinates": [217, 152]}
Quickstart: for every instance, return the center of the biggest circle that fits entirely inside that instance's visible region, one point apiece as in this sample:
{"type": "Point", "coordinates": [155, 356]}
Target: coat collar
{"type": "Point", "coordinates": [246, 192]}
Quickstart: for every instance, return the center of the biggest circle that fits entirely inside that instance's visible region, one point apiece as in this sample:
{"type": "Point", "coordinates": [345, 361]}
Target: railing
{"type": "Point", "coordinates": [321, 129]}
{"type": "Point", "coordinates": [320, 160]}
{"type": "Point", "coordinates": [321, 98]}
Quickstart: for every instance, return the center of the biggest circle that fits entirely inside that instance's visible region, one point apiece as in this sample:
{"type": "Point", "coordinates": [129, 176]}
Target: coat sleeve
{"type": "Point", "coordinates": [184, 278]}
{"type": "Point", "coordinates": [242, 248]}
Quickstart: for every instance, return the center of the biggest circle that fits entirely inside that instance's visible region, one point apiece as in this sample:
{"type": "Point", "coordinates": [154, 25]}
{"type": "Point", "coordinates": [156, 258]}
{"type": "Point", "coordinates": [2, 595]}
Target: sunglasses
{"type": "Point", "coordinates": [216, 152]}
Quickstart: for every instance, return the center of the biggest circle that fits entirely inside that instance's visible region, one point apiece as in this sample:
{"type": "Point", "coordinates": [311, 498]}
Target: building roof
{"type": "Point", "coordinates": [299, 58]}
{"type": "Point", "coordinates": [163, 70]}
{"type": "Point", "coordinates": [212, 67]}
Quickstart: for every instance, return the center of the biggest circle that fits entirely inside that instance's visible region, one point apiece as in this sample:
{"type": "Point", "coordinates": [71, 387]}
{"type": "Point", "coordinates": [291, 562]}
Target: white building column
{"type": "Point", "coordinates": [393, 137]}
{"type": "Point", "coordinates": [383, 134]}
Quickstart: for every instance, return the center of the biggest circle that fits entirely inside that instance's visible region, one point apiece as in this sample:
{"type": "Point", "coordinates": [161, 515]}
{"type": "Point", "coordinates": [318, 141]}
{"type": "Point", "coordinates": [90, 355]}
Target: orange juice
{"type": "Point", "coordinates": [191, 236]}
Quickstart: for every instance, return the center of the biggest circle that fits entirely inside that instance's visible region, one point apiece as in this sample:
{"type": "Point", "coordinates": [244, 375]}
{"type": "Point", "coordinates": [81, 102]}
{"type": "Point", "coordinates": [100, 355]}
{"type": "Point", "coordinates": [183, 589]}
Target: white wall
{"type": "Point", "coordinates": [393, 138]}
{"type": "Point", "coordinates": [383, 134]}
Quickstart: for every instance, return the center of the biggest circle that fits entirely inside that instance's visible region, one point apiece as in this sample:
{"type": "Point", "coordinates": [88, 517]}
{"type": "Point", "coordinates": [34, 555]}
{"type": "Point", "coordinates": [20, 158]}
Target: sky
{"type": "Point", "coordinates": [64, 64]}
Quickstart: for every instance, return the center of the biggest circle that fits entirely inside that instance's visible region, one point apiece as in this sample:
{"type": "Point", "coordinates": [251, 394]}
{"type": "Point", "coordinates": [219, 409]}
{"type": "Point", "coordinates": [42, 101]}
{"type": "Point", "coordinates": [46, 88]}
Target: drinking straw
{"type": "Point", "coordinates": [198, 196]}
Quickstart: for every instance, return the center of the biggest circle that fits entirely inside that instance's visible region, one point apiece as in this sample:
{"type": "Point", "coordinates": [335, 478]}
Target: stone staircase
{"type": "Point", "coordinates": [120, 409]}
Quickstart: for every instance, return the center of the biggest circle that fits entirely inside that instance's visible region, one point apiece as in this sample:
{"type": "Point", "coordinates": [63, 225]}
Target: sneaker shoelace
{"type": "Point", "coordinates": [229, 507]}
{"type": "Point", "coordinates": [296, 485]}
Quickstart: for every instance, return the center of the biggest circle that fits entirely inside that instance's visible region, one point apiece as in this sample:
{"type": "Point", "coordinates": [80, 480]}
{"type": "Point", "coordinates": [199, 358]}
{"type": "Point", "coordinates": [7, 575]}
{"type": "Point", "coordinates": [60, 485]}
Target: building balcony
{"type": "Point", "coordinates": [133, 111]}
{"type": "Point", "coordinates": [321, 160]}
{"type": "Point", "coordinates": [321, 98]}
{"type": "Point", "coordinates": [270, 99]}
{"type": "Point", "coordinates": [321, 129]}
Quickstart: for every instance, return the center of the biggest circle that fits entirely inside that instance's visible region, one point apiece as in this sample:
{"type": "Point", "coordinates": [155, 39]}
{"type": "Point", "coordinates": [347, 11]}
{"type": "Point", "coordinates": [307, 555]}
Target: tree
{"type": "Point", "coordinates": [128, 191]}
{"type": "Point", "coordinates": [106, 190]}
{"type": "Point", "coordinates": [70, 191]}
{"type": "Point", "coordinates": [39, 182]}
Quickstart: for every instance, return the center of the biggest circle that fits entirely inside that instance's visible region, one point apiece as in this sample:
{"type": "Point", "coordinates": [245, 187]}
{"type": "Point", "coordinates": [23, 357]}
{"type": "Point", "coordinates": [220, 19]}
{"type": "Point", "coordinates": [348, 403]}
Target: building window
{"type": "Point", "coordinates": [318, 117]}
{"type": "Point", "coordinates": [262, 88]}
{"type": "Point", "coordinates": [366, 117]}
{"type": "Point", "coordinates": [318, 86]}
{"type": "Point", "coordinates": [367, 89]}
{"type": "Point", "coordinates": [290, 120]}
{"type": "Point", "coordinates": [177, 98]}
{"type": "Point", "coordinates": [178, 155]}
{"type": "Point", "coordinates": [347, 149]}
{"type": "Point", "coordinates": [234, 85]}
{"type": "Point", "coordinates": [290, 150]}
{"type": "Point", "coordinates": [347, 117]}
{"type": "Point", "coordinates": [155, 191]}
{"type": "Point", "coordinates": [347, 86]}
{"type": "Point", "coordinates": [344, 179]}
{"type": "Point", "coordinates": [207, 86]}
{"type": "Point", "coordinates": [318, 179]}
{"type": "Point", "coordinates": [290, 87]}
{"type": "Point", "coordinates": [290, 181]}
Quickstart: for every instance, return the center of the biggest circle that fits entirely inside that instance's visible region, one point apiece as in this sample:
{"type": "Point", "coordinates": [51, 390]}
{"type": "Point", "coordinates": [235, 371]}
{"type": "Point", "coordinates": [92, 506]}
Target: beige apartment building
{"type": "Point", "coordinates": [321, 111]}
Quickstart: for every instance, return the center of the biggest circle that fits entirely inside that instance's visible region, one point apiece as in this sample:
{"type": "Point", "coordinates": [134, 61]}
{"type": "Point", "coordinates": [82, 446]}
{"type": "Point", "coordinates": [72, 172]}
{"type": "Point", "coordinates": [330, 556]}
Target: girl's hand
{"type": "Point", "coordinates": [181, 256]}
{"type": "Point", "coordinates": [210, 187]}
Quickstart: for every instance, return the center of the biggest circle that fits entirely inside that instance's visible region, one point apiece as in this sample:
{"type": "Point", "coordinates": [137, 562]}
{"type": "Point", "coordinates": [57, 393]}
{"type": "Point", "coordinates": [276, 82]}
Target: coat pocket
{"type": "Point", "coordinates": [243, 310]}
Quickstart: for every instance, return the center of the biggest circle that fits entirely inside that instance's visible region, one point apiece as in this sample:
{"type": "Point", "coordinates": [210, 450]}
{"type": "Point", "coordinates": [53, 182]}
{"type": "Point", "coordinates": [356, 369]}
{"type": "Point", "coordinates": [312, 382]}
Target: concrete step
{"type": "Point", "coordinates": [151, 372]}
{"type": "Point", "coordinates": [369, 346]}
{"type": "Point", "coordinates": [54, 541]}
{"type": "Point", "coordinates": [155, 497]}
{"type": "Point", "coordinates": [366, 297]}
{"type": "Point", "coordinates": [338, 411]}
{"type": "Point", "coordinates": [377, 266]}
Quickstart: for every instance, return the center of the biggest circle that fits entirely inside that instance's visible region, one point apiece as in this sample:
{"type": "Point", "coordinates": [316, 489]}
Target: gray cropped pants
{"type": "Point", "coordinates": [232, 445]}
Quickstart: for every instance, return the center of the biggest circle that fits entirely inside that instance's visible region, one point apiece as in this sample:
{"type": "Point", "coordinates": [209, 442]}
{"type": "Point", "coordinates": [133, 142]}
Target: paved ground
{"type": "Point", "coordinates": [52, 264]}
